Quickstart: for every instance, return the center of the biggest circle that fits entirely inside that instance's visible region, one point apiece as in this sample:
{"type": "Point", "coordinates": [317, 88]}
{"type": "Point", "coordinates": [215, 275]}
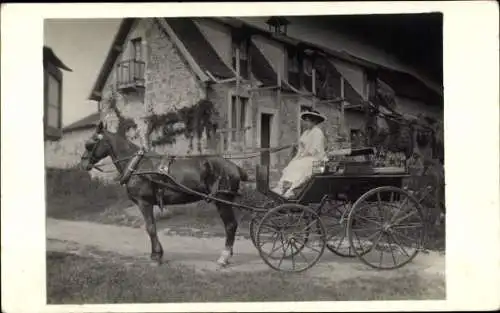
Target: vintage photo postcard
{"type": "Point", "coordinates": [250, 157]}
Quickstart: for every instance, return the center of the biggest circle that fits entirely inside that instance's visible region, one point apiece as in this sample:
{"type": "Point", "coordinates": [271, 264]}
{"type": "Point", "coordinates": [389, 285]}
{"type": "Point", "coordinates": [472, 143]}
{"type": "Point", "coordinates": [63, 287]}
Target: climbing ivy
{"type": "Point", "coordinates": [197, 119]}
{"type": "Point", "coordinates": [124, 123]}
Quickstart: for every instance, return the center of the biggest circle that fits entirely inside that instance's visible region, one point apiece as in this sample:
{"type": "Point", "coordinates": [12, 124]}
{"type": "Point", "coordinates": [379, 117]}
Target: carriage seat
{"type": "Point", "coordinates": [262, 182]}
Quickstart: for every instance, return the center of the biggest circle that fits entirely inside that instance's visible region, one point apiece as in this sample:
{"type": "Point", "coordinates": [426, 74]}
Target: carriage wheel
{"type": "Point", "coordinates": [256, 218]}
{"type": "Point", "coordinates": [254, 223]}
{"type": "Point", "coordinates": [334, 218]}
{"type": "Point", "coordinates": [386, 221]}
{"type": "Point", "coordinates": [291, 238]}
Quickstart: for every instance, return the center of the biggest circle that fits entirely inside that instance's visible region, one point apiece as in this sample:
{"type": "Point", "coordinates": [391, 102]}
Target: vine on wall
{"type": "Point", "coordinates": [196, 120]}
{"type": "Point", "coordinates": [192, 122]}
{"type": "Point", "coordinates": [124, 123]}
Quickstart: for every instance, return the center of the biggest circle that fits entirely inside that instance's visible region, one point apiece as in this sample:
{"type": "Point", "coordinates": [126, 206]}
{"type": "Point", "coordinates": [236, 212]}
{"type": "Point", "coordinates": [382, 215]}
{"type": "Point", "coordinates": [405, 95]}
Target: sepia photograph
{"type": "Point", "coordinates": [244, 157]}
{"type": "Point", "coordinates": [263, 158]}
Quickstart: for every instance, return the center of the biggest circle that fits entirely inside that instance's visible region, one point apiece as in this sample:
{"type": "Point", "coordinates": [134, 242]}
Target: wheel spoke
{"type": "Point", "coordinates": [369, 220]}
{"type": "Point", "coordinates": [308, 225]}
{"type": "Point", "coordinates": [284, 254]}
{"type": "Point", "coordinates": [359, 240]}
{"type": "Point", "coordinates": [312, 248]}
{"type": "Point", "coordinates": [274, 249]}
{"type": "Point", "coordinates": [293, 255]}
{"type": "Point", "coordinates": [381, 257]}
{"type": "Point", "coordinates": [404, 236]}
{"type": "Point", "coordinates": [416, 225]}
{"type": "Point", "coordinates": [399, 244]}
{"type": "Point", "coordinates": [404, 217]}
{"type": "Point", "coordinates": [399, 209]}
{"type": "Point", "coordinates": [270, 239]}
{"type": "Point", "coordinates": [300, 252]}
{"type": "Point", "coordinates": [392, 250]}
{"type": "Point", "coordinates": [365, 229]}
{"type": "Point", "coordinates": [340, 242]}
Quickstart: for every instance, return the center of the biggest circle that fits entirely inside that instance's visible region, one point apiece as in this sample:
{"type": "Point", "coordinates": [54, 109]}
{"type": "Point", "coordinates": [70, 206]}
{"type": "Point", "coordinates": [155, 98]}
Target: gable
{"type": "Point", "coordinates": [199, 48]}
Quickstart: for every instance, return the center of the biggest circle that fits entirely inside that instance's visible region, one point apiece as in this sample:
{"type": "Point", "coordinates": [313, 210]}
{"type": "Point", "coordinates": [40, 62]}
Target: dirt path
{"type": "Point", "coordinates": [201, 253]}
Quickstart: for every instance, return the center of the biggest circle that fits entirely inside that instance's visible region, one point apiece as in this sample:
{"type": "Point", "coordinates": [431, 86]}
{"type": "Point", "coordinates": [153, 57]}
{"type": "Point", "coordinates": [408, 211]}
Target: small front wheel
{"type": "Point", "coordinates": [291, 238]}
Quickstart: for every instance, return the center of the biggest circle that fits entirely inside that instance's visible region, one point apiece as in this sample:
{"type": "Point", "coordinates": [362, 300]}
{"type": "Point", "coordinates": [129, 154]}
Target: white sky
{"type": "Point", "coordinates": [82, 44]}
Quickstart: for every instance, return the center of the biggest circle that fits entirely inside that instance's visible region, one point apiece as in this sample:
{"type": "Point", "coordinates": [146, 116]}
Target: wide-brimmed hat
{"type": "Point", "coordinates": [313, 115]}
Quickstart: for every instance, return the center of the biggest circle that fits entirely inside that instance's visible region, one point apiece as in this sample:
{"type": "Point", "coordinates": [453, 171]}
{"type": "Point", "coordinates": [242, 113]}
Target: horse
{"type": "Point", "coordinates": [203, 174]}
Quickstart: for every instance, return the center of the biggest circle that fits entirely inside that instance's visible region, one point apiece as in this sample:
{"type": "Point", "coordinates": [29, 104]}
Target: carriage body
{"type": "Point", "coordinates": [349, 199]}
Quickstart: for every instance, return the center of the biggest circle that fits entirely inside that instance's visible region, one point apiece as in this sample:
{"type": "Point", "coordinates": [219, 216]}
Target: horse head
{"type": "Point", "coordinates": [96, 148]}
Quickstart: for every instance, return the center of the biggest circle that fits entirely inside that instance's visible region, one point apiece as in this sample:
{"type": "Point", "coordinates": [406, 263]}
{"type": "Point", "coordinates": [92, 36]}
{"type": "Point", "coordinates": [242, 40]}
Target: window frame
{"type": "Point", "coordinates": [52, 132]}
{"type": "Point", "coordinates": [244, 116]}
{"type": "Point", "coordinates": [137, 47]}
{"type": "Point", "coordinates": [307, 75]}
{"type": "Point", "coordinates": [243, 44]}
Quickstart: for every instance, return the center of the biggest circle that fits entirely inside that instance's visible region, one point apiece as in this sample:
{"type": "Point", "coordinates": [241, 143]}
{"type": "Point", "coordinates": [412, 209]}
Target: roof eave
{"type": "Point", "coordinates": [111, 57]}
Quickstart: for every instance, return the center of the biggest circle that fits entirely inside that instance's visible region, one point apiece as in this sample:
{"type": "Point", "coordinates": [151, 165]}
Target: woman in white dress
{"type": "Point", "coordinates": [311, 148]}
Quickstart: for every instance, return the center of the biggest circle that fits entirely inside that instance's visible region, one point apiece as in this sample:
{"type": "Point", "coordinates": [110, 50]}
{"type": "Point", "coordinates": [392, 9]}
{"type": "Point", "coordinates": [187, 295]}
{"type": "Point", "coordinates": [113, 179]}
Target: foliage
{"type": "Point", "coordinates": [124, 123]}
{"type": "Point", "coordinates": [196, 120]}
{"type": "Point", "coordinates": [73, 194]}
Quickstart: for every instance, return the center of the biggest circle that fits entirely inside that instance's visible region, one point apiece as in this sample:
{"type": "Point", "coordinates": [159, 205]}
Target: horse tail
{"type": "Point", "coordinates": [243, 174]}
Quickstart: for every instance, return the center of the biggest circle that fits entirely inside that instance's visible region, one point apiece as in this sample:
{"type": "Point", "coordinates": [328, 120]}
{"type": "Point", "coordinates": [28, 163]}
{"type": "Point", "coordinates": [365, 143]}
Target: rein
{"type": "Point", "coordinates": [186, 156]}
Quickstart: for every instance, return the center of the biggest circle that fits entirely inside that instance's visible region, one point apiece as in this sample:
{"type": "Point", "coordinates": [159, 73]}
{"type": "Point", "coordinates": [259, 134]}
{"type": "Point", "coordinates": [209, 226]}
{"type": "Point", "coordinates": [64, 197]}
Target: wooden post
{"type": "Point", "coordinates": [237, 104]}
{"type": "Point", "coordinates": [313, 87]}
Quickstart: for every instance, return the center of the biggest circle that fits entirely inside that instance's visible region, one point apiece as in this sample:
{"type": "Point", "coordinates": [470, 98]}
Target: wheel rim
{"type": "Point", "coordinates": [334, 219]}
{"type": "Point", "coordinates": [291, 238]}
{"type": "Point", "coordinates": [387, 223]}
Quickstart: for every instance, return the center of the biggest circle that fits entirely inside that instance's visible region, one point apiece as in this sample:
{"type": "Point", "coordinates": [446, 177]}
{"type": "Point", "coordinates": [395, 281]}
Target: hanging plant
{"type": "Point", "coordinates": [124, 123]}
{"type": "Point", "coordinates": [196, 120]}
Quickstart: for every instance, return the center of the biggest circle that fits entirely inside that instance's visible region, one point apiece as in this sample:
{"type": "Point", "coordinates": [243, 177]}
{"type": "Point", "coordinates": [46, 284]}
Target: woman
{"type": "Point", "coordinates": [311, 148]}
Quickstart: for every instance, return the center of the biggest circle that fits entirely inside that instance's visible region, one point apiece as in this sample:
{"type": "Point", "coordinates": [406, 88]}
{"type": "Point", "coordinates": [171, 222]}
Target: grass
{"type": "Point", "coordinates": [73, 279]}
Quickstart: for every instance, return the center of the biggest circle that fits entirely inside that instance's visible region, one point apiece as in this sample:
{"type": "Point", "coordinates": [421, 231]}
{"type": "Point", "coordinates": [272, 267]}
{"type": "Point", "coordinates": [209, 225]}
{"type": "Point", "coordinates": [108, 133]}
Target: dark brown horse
{"type": "Point", "coordinates": [204, 174]}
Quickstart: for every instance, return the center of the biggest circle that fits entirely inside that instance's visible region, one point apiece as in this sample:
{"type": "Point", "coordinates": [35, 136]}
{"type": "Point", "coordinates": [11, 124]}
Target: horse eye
{"type": "Point", "coordinates": [89, 145]}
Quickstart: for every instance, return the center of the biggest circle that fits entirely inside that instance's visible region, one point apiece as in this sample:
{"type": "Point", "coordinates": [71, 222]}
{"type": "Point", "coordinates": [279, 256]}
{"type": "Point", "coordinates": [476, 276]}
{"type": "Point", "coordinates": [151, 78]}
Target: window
{"type": "Point", "coordinates": [137, 49]}
{"type": "Point", "coordinates": [293, 68]}
{"type": "Point", "coordinates": [242, 44]}
{"type": "Point", "coordinates": [357, 138]}
{"type": "Point", "coordinates": [241, 117]}
{"type": "Point", "coordinates": [53, 101]}
{"type": "Point", "coordinates": [307, 67]}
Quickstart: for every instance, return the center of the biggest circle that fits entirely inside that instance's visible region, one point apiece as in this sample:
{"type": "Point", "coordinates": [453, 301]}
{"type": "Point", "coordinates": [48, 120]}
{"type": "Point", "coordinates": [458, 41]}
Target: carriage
{"type": "Point", "coordinates": [349, 207]}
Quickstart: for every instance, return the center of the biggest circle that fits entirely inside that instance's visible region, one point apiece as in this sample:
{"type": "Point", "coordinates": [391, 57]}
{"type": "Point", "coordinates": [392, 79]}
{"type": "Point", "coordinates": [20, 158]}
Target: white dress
{"type": "Point", "coordinates": [311, 149]}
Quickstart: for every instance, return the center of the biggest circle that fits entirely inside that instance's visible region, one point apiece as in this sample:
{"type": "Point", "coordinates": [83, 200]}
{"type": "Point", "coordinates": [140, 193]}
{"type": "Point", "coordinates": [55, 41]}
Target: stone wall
{"type": "Point", "coordinates": [170, 85]}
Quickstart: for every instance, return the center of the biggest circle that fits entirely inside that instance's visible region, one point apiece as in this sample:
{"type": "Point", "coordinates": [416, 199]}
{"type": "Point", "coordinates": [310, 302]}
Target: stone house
{"type": "Point", "coordinates": [257, 80]}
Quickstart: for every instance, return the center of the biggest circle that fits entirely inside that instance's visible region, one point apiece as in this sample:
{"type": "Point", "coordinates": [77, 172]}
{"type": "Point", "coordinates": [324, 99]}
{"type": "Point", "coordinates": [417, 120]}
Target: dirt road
{"type": "Point", "coordinates": [201, 253]}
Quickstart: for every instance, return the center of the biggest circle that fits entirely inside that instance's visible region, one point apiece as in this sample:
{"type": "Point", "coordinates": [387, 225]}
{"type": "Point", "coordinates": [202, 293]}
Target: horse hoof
{"type": "Point", "coordinates": [222, 264]}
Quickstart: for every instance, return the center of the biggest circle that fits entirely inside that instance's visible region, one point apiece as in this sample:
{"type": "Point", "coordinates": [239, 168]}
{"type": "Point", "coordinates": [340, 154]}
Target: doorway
{"type": "Point", "coordinates": [266, 120]}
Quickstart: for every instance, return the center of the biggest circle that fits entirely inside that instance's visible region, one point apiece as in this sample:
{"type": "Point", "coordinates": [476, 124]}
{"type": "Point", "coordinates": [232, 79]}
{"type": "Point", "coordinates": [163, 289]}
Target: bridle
{"type": "Point", "coordinates": [92, 159]}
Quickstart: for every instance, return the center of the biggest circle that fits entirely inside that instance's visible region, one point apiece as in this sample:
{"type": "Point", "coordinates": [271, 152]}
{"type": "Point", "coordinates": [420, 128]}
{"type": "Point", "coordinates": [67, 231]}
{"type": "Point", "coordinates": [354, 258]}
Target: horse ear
{"type": "Point", "coordinates": [100, 127]}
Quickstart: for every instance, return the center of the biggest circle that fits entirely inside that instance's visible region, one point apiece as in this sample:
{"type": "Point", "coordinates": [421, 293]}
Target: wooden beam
{"type": "Point", "coordinates": [313, 82]}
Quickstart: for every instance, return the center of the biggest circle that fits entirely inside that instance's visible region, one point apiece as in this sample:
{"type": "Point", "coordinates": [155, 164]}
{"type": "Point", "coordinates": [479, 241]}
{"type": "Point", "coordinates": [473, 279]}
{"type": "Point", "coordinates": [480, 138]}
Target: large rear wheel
{"type": "Point", "coordinates": [388, 225]}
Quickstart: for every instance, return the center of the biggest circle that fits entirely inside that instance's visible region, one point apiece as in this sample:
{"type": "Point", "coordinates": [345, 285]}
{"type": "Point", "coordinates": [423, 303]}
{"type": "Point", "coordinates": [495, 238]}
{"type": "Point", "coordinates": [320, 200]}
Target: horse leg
{"type": "Point", "coordinates": [148, 214]}
{"type": "Point", "coordinates": [230, 225]}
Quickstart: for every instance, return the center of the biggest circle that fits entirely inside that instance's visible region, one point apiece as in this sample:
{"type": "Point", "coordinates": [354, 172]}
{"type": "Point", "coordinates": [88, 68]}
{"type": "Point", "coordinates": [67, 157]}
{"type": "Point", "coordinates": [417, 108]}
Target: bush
{"type": "Point", "coordinates": [72, 193]}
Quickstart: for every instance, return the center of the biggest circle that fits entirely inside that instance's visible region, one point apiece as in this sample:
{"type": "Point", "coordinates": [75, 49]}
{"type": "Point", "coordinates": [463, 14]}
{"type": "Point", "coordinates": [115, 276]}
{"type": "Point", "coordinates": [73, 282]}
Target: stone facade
{"type": "Point", "coordinates": [170, 85]}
